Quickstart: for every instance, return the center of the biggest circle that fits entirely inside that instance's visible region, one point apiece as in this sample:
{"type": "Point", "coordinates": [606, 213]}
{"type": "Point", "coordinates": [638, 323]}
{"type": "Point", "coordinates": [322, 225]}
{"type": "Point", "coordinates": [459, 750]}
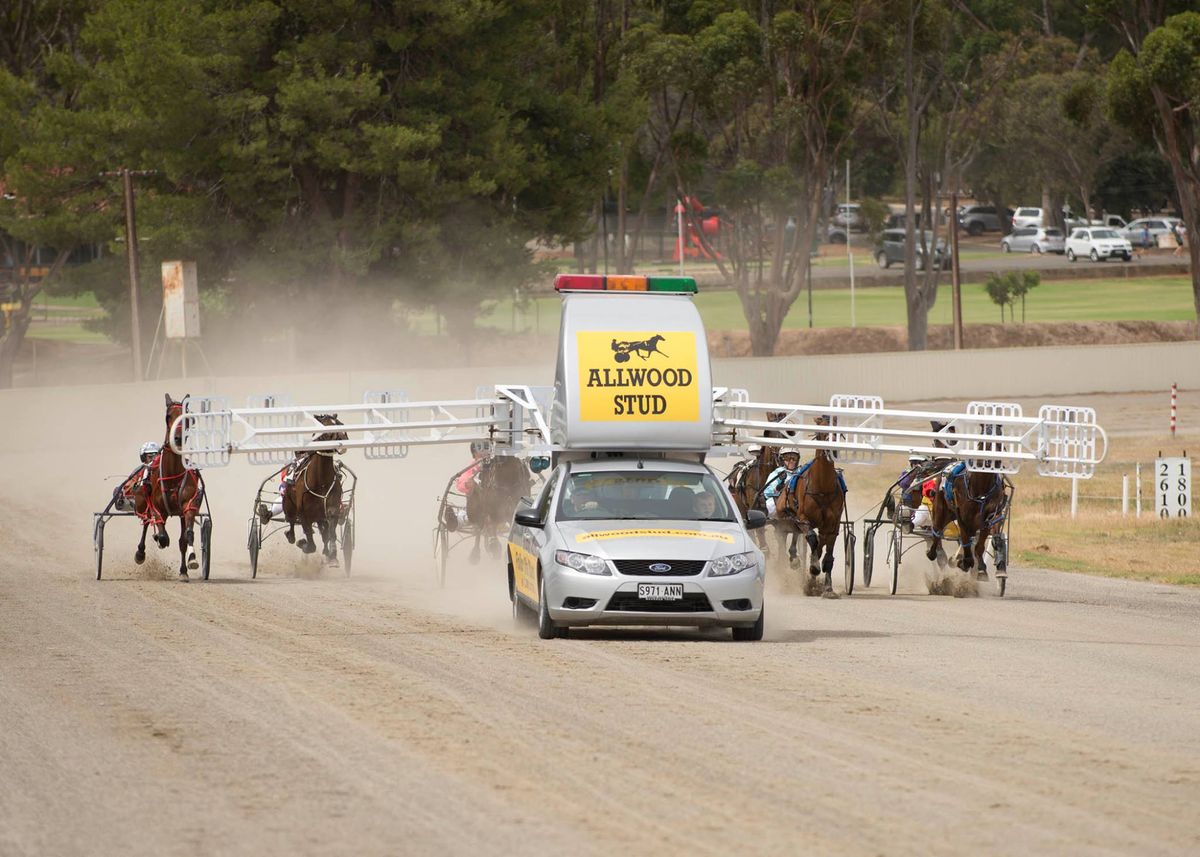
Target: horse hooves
{"type": "Point", "coordinates": [139, 557]}
{"type": "Point", "coordinates": [291, 537]}
{"type": "Point", "coordinates": [183, 577]}
{"type": "Point", "coordinates": [308, 547]}
{"type": "Point", "coordinates": [193, 563]}
{"type": "Point", "coordinates": [162, 541]}
{"type": "Point", "coordinates": [981, 575]}
{"type": "Point", "coordinates": [332, 562]}
{"type": "Point", "coordinates": [829, 593]}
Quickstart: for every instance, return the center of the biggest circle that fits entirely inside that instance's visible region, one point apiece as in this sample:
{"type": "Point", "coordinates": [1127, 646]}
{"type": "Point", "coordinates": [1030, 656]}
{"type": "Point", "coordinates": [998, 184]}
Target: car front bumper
{"type": "Point", "coordinates": [733, 600]}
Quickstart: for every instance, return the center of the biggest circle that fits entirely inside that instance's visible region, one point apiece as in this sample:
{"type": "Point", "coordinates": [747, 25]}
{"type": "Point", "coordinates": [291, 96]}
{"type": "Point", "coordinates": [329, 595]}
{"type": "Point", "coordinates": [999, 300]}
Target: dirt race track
{"type": "Point", "coordinates": [307, 713]}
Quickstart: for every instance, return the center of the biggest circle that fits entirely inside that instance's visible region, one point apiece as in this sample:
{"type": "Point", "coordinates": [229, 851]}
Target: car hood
{"type": "Point", "coordinates": [700, 540]}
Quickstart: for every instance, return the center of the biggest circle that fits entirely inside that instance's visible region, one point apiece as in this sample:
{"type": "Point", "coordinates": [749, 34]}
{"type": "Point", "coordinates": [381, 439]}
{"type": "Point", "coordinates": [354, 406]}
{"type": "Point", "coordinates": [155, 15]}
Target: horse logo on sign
{"type": "Point", "coordinates": [643, 349]}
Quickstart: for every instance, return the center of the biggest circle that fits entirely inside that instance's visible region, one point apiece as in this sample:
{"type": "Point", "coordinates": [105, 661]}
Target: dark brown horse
{"type": "Point", "coordinates": [979, 507]}
{"type": "Point", "coordinates": [170, 490]}
{"type": "Point", "coordinates": [315, 495]}
{"type": "Point", "coordinates": [811, 504]}
{"type": "Point", "coordinates": [749, 476]}
{"type": "Point", "coordinates": [502, 481]}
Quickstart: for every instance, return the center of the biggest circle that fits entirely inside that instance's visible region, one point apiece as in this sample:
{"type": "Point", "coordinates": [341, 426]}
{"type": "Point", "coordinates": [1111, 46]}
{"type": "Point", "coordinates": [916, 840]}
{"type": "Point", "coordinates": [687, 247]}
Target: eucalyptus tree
{"type": "Point", "coordinates": [1154, 91]}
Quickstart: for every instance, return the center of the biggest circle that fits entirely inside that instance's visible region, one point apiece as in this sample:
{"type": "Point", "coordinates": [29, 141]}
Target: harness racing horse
{"type": "Point", "coordinates": [978, 503]}
{"type": "Point", "coordinates": [315, 495]}
{"type": "Point", "coordinates": [813, 503]}
{"type": "Point", "coordinates": [170, 491]}
{"type": "Point", "coordinates": [500, 485]}
{"type": "Point", "coordinates": [748, 477]}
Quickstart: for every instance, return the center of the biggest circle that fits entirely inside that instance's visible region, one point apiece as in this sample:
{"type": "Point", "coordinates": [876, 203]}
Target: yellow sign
{"type": "Point", "coordinates": [524, 571]}
{"type": "Point", "coordinates": [653, 534]}
{"type": "Point", "coordinates": [634, 376]}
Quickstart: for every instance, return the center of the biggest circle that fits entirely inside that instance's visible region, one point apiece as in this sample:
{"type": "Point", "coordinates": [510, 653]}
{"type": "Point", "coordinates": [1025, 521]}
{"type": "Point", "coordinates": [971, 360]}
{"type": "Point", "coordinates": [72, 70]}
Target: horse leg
{"type": "Point", "coordinates": [829, 537]}
{"type": "Point", "coordinates": [183, 549]}
{"type": "Point", "coordinates": [139, 556]}
{"type": "Point", "coordinates": [308, 543]}
{"type": "Point", "coordinates": [474, 557]}
{"type": "Point", "coordinates": [188, 536]}
{"type": "Point", "coordinates": [814, 552]}
{"type": "Point", "coordinates": [329, 541]}
{"type": "Point", "coordinates": [161, 538]}
{"type": "Point", "coordinates": [980, 561]}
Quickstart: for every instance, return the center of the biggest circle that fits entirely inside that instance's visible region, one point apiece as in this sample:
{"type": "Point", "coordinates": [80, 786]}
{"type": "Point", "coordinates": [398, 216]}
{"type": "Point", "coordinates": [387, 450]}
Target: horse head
{"type": "Point", "coordinates": [331, 420]}
{"type": "Point", "coordinates": [940, 427]}
{"type": "Point", "coordinates": [174, 412]}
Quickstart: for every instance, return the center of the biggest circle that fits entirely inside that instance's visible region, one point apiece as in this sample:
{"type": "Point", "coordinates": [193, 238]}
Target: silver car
{"type": "Point", "coordinates": [1034, 239]}
{"type": "Point", "coordinates": [1145, 232]}
{"type": "Point", "coordinates": [635, 541]}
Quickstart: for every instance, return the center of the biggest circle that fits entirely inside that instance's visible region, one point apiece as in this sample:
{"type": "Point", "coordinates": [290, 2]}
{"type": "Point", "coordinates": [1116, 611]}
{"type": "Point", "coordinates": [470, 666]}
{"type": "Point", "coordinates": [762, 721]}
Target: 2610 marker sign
{"type": "Point", "coordinates": [1173, 484]}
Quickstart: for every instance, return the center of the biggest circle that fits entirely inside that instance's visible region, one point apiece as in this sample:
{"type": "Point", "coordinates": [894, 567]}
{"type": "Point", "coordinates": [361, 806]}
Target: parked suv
{"type": "Point", "coordinates": [891, 249]}
{"type": "Point", "coordinates": [977, 219]}
{"type": "Point", "coordinates": [1033, 239]}
{"type": "Point", "coordinates": [849, 214]}
{"type": "Point", "coordinates": [1098, 243]}
{"type": "Point", "coordinates": [1027, 217]}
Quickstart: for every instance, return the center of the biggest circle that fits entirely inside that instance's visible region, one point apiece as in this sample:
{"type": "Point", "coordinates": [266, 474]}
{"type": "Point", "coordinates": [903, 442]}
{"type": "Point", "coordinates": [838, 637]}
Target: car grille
{"type": "Point", "coordinates": [628, 602]}
{"type": "Point", "coordinates": [679, 567]}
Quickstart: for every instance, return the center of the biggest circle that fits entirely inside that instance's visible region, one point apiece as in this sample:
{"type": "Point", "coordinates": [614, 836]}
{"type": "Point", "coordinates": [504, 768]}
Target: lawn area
{"type": "Point", "coordinates": [1139, 299]}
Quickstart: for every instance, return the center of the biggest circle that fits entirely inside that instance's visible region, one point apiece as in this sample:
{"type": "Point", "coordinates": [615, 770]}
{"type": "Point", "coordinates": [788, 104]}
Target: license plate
{"type": "Point", "coordinates": [660, 591]}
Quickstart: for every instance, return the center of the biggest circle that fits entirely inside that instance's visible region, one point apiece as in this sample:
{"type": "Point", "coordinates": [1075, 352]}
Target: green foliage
{"type": "Point", "coordinates": [1005, 290]}
{"type": "Point", "coordinates": [874, 213]}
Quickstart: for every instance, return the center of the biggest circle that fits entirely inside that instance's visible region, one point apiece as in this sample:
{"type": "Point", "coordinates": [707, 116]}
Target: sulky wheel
{"type": "Point", "coordinates": [868, 558]}
{"type": "Point", "coordinates": [98, 545]}
{"type": "Point", "coordinates": [443, 551]}
{"type": "Point", "coordinates": [848, 548]}
{"type": "Point", "coordinates": [348, 545]}
{"type": "Point", "coordinates": [206, 547]}
{"type": "Point", "coordinates": [897, 550]}
{"type": "Point", "coordinates": [254, 544]}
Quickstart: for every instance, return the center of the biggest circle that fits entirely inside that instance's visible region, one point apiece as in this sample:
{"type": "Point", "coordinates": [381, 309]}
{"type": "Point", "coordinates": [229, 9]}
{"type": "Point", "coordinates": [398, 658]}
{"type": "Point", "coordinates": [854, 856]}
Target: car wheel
{"type": "Point", "coordinates": [882, 259]}
{"type": "Point", "coordinates": [1127, 257]}
{"type": "Point", "coordinates": [1070, 255]}
{"type": "Point", "coordinates": [754, 633]}
{"type": "Point", "coordinates": [547, 630]}
{"type": "Point", "coordinates": [975, 228]}
{"type": "Point", "coordinates": [1036, 249]}
{"type": "Point", "coordinates": [1094, 256]}
{"type": "Point", "coordinates": [1005, 247]}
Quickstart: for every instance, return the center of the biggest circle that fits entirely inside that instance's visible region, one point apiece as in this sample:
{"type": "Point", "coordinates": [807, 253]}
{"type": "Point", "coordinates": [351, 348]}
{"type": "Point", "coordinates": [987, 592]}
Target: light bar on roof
{"type": "Point", "coordinates": [624, 283]}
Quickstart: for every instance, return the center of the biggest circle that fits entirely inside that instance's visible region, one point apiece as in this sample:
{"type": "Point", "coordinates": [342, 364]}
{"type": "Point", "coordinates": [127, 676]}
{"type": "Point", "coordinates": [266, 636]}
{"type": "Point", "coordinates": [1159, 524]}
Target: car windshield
{"type": "Point", "coordinates": [1053, 233]}
{"type": "Point", "coordinates": [1104, 233]}
{"type": "Point", "coordinates": [642, 495]}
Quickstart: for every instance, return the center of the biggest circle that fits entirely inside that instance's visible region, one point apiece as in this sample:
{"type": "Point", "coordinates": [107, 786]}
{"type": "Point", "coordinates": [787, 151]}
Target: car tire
{"type": "Point", "coordinates": [882, 260]}
{"type": "Point", "coordinates": [1127, 257]}
{"type": "Point", "coordinates": [547, 630]}
{"type": "Point", "coordinates": [1094, 256]}
{"type": "Point", "coordinates": [1036, 249]}
{"type": "Point", "coordinates": [1005, 247]}
{"type": "Point", "coordinates": [1070, 255]}
{"type": "Point", "coordinates": [975, 228]}
{"type": "Point", "coordinates": [752, 634]}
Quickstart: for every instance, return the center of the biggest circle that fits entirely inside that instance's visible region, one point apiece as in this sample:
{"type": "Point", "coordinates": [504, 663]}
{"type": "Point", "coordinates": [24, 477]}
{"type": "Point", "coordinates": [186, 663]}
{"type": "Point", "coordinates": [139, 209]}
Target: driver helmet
{"type": "Point", "coordinates": [784, 452]}
{"type": "Point", "coordinates": [917, 459]}
{"type": "Point", "coordinates": [479, 448]}
{"type": "Point", "coordinates": [148, 451]}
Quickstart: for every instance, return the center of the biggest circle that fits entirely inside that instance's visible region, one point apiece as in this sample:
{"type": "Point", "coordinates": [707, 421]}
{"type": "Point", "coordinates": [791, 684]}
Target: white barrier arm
{"type": "Point", "coordinates": [994, 437]}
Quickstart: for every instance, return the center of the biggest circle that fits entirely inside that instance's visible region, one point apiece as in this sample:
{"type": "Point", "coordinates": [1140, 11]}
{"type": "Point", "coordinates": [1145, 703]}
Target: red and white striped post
{"type": "Point", "coordinates": [1174, 396]}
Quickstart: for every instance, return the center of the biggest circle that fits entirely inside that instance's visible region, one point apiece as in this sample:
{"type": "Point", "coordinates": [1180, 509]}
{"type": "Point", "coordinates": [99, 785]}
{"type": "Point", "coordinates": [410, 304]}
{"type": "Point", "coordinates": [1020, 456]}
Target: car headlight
{"type": "Point", "coordinates": [723, 566]}
{"type": "Point", "coordinates": [587, 563]}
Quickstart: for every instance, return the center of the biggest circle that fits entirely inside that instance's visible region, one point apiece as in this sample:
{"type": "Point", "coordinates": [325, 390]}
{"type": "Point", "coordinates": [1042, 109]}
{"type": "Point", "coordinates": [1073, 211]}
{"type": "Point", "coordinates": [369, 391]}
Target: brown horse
{"type": "Point", "coordinates": [502, 482]}
{"type": "Point", "coordinates": [171, 490]}
{"type": "Point", "coordinates": [979, 507]}
{"type": "Point", "coordinates": [315, 495]}
{"type": "Point", "coordinates": [748, 477]}
{"type": "Point", "coordinates": [812, 503]}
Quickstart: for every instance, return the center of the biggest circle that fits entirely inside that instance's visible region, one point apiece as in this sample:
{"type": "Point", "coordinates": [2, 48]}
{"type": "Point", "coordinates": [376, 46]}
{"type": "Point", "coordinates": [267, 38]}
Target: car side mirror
{"type": "Point", "coordinates": [528, 518]}
{"type": "Point", "coordinates": [755, 519]}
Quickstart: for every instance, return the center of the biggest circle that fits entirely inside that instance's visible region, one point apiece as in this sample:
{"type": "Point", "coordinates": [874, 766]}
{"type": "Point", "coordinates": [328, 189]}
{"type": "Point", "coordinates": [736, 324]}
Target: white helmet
{"type": "Point", "coordinates": [789, 450]}
{"type": "Point", "coordinates": [148, 448]}
{"type": "Point", "coordinates": [917, 459]}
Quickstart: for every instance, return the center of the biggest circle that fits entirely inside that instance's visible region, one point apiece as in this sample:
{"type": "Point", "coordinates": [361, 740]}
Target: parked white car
{"type": "Point", "coordinates": [1098, 243]}
{"type": "Point", "coordinates": [1033, 239]}
{"type": "Point", "coordinates": [1027, 217]}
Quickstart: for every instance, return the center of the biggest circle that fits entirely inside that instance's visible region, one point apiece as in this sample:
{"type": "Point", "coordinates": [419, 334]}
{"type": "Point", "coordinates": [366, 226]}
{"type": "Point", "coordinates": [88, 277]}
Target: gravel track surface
{"type": "Point", "coordinates": [308, 713]}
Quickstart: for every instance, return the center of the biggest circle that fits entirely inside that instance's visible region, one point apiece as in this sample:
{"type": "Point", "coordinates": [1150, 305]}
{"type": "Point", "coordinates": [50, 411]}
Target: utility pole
{"type": "Point", "coordinates": [131, 253]}
{"type": "Point", "coordinates": [955, 283]}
